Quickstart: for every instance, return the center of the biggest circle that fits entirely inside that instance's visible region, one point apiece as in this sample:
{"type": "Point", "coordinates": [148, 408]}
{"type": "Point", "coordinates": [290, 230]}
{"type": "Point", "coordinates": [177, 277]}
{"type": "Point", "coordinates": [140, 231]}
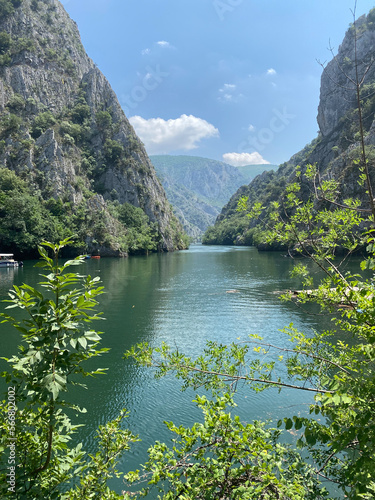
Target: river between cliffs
{"type": "Point", "coordinates": [184, 299]}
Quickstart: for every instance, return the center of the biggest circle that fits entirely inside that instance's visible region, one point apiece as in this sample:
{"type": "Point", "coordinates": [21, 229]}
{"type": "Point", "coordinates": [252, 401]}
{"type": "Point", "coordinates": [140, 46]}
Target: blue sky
{"type": "Point", "coordinates": [232, 80]}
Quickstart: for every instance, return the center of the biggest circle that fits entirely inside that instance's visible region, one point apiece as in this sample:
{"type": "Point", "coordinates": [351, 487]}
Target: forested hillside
{"type": "Point", "coordinates": [70, 162]}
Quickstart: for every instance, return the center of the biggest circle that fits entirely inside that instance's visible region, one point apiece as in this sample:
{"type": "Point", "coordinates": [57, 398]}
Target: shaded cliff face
{"type": "Point", "coordinates": [337, 92]}
{"type": "Point", "coordinates": [335, 149]}
{"type": "Point", "coordinates": [62, 128]}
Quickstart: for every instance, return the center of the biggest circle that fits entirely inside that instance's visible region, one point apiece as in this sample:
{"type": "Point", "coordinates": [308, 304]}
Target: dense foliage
{"type": "Point", "coordinates": [223, 458]}
{"type": "Point", "coordinates": [34, 419]}
{"type": "Point", "coordinates": [233, 227]}
{"type": "Point", "coordinates": [26, 219]}
{"type": "Point", "coordinates": [8, 6]}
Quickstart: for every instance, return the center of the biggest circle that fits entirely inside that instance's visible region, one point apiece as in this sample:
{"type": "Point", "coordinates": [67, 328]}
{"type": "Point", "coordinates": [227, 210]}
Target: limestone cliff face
{"type": "Point", "coordinates": [337, 93]}
{"type": "Point", "coordinates": [63, 128]}
{"type": "Point", "coordinates": [336, 148]}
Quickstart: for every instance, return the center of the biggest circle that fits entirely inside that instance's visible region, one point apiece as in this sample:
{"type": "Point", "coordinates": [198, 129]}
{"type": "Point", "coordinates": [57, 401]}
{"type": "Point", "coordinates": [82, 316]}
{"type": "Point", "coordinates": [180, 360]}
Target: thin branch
{"type": "Point", "coordinates": [305, 353]}
{"type": "Point", "coordinates": [335, 203]}
{"type": "Point", "coordinates": [246, 378]}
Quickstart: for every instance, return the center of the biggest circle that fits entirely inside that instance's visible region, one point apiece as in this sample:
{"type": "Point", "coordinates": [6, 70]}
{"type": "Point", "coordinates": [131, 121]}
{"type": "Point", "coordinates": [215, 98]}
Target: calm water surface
{"type": "Point", "coordinates": [185, 299]}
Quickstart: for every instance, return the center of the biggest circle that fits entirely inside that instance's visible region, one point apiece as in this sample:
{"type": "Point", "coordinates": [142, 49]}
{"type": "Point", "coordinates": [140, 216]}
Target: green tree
{"type": "Point", "coordinates": [104, 121]}
{"type": "Point", "coordinates": [141, 235]}
{"type": "Point", "coordinates": [8, 6]}
{"type": "Point", "coordinates": [81, 112]}
{"type": "Point", "coordinates": [10, 124]}
{"type": "Point", "coordinates": [113, 150]}
{"type": "Point", "coordinates": [41, 123]}
{"type": "Point", "coordinates": [57, 340]}
{"type": "Point", "coordinates": [24, 220]}
{"type": "Point", "coordinates": [223, 458]}
{"type": "Point", "coordinates": [5, 42]}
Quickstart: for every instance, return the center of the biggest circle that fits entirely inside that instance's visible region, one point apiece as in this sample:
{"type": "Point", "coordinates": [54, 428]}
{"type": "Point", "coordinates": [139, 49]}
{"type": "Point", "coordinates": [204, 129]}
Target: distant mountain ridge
{"type": "Point", "coordinates": [198, 187]}
{"type": "Point", "coordinates": [249, 172]}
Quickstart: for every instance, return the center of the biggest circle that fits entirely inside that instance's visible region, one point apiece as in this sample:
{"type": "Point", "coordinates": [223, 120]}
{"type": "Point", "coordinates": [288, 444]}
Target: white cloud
{"type": "Point", "coordinates": [163, 43]}
{"type": "Point", "coordinates": [228, 93]}
{"type": "Point", "coordinates": [251, 128]}
{"type": "Point", "coordinates": [242, 159]}
{"type": "Point", "coordinates": [228, 87]}
{"type": "Point", "coordinates": [271, 72]}
{"type": "Point", "coordinates": [162, 136]}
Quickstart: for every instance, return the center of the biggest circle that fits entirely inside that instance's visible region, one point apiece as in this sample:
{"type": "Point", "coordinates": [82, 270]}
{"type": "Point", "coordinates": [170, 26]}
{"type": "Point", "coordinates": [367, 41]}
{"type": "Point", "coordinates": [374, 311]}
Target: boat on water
{"type": "Point", "coordinates": [7, 260]}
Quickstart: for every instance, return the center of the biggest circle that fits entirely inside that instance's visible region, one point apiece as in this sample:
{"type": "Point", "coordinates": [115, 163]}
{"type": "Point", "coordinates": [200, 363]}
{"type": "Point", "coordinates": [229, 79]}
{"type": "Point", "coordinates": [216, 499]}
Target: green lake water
{"type": "Point", "coordinates": [185, 299]}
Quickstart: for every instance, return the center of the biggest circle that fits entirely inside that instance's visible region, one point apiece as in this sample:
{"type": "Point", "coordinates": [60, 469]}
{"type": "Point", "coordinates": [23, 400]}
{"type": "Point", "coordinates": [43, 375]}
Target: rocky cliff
{"type": "Point", "coordinates": [62, 130]}
{"type": "Point", "coordinates": [336, 148]}
{"type": "Point", "coordinates": [337, 92]}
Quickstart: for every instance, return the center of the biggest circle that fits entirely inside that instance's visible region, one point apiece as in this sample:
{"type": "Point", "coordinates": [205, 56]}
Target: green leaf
{"type": "Point", "coordinates": [92, 335]}
{"type": "Point", "coordinates": [288, 423]}
{"type": "Point", "coordinates": [82, 341]}
{"type": "Point", "coordinates": [310, 437]}
{"type": "Point", "coordinates": [298, 422]}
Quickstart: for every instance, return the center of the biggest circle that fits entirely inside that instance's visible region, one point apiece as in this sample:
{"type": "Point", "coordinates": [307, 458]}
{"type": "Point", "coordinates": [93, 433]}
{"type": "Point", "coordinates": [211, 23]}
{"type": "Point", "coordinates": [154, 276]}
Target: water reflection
{"type": "Point", "coordinates": [7, 275]}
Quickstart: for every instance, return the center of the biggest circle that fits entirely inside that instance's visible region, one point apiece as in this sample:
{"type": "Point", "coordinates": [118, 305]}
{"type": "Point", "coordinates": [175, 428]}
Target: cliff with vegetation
{"type": "Point", "coordinates": [70, 162]}
{"type": "Point", "coordinates": [336, 149]}
{"type": "Point", "coordinates": [198, 187]}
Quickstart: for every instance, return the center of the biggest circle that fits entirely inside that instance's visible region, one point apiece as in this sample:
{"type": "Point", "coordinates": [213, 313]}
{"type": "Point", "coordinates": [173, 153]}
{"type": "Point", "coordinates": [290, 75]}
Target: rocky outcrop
{"type": "Point", "coordinates": [337, 92]}
{"type": "Point", "coordinates": [63, 128]}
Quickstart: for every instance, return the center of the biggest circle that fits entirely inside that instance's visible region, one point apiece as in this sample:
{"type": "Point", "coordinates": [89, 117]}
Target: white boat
{"type": "Point", "coordinates": [7, 260]}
